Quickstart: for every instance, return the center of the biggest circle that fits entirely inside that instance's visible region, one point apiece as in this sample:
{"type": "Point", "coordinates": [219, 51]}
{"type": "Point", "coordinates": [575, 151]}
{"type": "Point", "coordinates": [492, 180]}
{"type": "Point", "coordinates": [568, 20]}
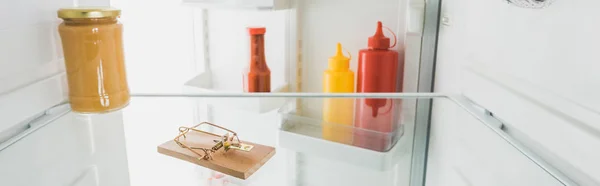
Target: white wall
{"type": "Point", "coordinates": [534, 69]}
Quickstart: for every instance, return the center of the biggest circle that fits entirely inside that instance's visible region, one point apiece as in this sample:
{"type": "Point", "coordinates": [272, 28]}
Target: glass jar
{"type": "Point", "coordinates": [93, 49]}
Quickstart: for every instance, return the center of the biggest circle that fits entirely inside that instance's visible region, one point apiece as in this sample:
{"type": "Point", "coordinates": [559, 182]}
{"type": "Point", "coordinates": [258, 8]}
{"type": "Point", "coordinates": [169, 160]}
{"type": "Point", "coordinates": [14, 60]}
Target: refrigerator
{"type": "Point", "coordinates": [493, 93]}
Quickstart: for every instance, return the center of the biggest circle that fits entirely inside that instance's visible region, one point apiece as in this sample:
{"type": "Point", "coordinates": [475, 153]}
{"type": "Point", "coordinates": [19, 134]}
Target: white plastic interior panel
{"type": "Point", "coordinates": [62, 148]}
{"type": "Point", "coordinates": [30, 47]}
{"type": "Point", "coordinates": [535, 70]}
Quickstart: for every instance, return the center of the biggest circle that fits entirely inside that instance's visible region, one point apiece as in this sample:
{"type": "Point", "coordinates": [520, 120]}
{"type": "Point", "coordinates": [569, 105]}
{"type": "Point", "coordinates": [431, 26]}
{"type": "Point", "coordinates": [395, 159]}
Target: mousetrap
{"type": "Point", "coordinates": [222, 153]}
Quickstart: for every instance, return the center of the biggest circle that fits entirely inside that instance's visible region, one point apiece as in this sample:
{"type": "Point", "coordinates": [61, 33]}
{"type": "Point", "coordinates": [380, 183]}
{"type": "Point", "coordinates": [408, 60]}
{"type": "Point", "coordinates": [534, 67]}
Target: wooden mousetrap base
{"type": "Point", "coordinates": [239, 164]}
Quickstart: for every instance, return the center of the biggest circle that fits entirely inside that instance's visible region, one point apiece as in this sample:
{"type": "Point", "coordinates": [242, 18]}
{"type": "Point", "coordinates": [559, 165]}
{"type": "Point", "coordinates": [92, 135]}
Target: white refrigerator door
{"type": "Point", "coordinates": [537, 71]}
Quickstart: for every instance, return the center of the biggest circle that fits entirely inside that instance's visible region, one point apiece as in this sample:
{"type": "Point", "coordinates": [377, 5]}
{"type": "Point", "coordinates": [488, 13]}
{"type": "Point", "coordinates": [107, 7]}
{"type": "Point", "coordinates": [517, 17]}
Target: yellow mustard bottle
{"type": "Point", "coordinates": [338, 112]}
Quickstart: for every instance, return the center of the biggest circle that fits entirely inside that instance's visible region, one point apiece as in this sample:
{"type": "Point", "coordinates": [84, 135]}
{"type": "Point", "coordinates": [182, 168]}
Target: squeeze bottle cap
{"type": "Point", "coordinates": [339, 61]}
{"type": "Point", "coordinates": [257, 30]}
{"type": "Point", "coordinates": [379, 41]}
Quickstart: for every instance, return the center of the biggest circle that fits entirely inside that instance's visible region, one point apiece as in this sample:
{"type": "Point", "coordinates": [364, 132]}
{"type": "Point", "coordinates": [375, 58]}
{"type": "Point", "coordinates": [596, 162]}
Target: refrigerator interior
{"type": "Point", "coordinates": [201, 46]}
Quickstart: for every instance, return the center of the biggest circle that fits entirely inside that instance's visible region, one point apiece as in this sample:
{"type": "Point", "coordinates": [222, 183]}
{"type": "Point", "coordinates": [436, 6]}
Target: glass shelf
{"type": "Point", "coordinates": [120, 148]}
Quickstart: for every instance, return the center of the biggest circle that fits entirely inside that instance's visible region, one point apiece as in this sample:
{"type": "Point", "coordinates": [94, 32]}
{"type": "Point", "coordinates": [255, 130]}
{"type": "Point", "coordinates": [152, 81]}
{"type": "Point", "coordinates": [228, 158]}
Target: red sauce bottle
{"type": "Point", "coordinates": [257, 78]}
{"type": "Point", "coordinates": [377, 73]}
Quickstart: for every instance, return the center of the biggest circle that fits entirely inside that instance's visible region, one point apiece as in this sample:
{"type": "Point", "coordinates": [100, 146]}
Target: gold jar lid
{"type": "Point", "coordinates": [88, 12]}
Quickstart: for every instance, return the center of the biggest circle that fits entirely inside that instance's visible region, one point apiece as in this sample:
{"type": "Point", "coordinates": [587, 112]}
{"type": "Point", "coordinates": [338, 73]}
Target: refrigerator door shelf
{"type": "Point", "coordinates": [304, 134]}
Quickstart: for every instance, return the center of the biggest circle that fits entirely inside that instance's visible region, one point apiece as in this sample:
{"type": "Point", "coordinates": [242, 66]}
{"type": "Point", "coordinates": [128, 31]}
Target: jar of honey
{"type": "Point", "coordinates": [93, 50]}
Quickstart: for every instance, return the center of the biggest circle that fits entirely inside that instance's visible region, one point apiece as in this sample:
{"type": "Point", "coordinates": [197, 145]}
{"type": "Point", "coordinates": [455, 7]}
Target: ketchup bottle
{"type": "Point", "coordinates": [257, 77]}
{"type": "Point", "coordinates": [377, 73]}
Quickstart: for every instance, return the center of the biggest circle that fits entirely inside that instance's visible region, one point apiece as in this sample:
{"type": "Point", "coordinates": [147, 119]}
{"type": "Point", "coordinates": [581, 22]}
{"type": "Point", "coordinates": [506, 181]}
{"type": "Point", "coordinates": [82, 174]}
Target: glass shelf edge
{"type": "Point", "coordinates": [298, 95]}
